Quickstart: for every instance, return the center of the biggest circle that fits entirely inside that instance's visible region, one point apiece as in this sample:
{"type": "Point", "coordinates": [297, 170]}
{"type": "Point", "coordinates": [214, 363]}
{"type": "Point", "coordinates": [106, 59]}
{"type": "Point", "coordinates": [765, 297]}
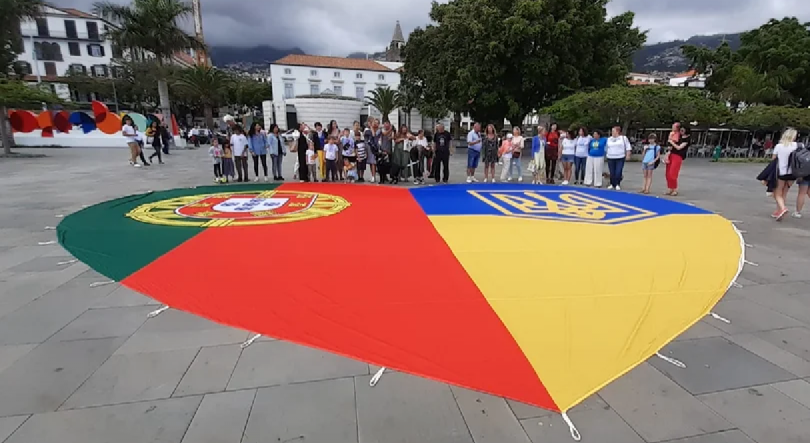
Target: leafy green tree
{"type": "Point", "coordinates": [204, 86]}
{"type": "Point", "coordinates": [637, 106]}
{"type": "Point", "coordinates": [152, 26]}
{"type": "Point", "coordinates": [385, 100]}
{"type": "Point", "coordinates": [772, 117]}
{"type": "Point", "coordinates": [16, 94]}
{"type": "Point", "coordinates": [510, 57]}
{"type": "Point", "coordinates": [771, 66]}
{"type": "Point", "coordinates": [12, 12]}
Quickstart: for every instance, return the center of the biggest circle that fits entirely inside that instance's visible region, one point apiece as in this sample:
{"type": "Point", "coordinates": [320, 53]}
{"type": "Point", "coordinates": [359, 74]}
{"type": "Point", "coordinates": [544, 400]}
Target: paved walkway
{"type": "Point", "coordinates": [85, 365]}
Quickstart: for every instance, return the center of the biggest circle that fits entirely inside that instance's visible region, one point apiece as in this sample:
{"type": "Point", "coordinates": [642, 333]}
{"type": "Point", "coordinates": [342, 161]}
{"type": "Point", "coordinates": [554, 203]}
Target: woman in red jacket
{"type": "Point", "coordinates": [552, 152]}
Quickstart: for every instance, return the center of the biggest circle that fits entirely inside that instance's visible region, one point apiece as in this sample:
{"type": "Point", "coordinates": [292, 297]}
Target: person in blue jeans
{"type": "Point", "coordinates": [583, 141]}
{"type": "Point", "coordinates": [617, 151]}
{"type": "Point", "coordinates": [473, 151]}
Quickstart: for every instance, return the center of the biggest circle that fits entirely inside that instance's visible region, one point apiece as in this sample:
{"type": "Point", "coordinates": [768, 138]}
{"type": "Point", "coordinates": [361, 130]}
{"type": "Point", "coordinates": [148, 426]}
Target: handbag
{"type": "Point", "coordinates": [532, 166]}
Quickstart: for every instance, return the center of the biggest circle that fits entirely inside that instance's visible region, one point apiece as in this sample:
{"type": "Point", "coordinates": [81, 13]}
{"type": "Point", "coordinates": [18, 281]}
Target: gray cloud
{"type": "Point", "coordinates": [342, 26]}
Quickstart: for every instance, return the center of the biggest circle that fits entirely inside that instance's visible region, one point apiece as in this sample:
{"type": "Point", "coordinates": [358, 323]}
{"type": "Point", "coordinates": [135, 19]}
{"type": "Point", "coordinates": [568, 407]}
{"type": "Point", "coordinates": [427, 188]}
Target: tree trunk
{"type": "Point", "coordinates": [6, 134]}
{"type": "Point", "coordinates": [165, 104]}
{"type": "Point", "coordinates": [208, 113]}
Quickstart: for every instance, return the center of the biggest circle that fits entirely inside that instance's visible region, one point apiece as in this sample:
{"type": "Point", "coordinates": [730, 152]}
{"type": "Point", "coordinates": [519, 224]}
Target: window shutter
{"type": "Point", "coordinates": [102, 50]}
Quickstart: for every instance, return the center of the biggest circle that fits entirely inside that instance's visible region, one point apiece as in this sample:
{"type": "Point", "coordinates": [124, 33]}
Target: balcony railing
{"type": "Point", "coordinates": [62, 35]}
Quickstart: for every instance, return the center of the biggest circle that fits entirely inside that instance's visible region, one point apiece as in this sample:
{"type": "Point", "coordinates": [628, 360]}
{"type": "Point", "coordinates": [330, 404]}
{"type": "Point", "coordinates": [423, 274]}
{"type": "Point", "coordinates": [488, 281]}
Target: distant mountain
{"type": "Point", "coordinates": [257, 55]}
{"type": "Point", "coordinates": [667, 56]}
{"type": "Point", "coordinates": [661, 57]}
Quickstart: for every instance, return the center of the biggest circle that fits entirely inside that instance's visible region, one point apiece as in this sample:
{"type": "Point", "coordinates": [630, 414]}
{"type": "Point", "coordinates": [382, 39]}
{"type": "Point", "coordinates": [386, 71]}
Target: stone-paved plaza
{"type": "Point", "coordinates": [82, 364]}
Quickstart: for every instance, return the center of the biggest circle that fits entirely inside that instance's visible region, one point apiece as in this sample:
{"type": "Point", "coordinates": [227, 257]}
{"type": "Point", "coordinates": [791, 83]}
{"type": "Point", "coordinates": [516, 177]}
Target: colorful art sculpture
{"type": "Point", "coordinates": [539, 294]}
{"type": "Point", "coordinates": [103, 120]}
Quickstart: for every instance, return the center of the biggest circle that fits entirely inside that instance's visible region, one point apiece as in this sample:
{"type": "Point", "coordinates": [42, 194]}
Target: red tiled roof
{"type": "Point", "coordinates": [76, 13]}
{"type": "Point", "coordinates": [319, 61]}
{"type": "Point", "coordinates": [691, 73]}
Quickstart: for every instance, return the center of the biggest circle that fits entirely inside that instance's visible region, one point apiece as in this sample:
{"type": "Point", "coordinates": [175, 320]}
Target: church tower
{"type": "Point", "coordinates": [394, 51]}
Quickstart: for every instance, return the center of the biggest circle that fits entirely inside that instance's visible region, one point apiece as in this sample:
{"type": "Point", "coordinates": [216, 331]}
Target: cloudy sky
{"type": "Point", "coordinates": [303, 23]}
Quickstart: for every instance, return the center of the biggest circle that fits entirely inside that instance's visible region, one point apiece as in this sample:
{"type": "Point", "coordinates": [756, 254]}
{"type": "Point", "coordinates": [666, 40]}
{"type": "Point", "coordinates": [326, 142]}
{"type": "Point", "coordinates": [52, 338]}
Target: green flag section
{"type": "Point", "coordinates": [110, 239]}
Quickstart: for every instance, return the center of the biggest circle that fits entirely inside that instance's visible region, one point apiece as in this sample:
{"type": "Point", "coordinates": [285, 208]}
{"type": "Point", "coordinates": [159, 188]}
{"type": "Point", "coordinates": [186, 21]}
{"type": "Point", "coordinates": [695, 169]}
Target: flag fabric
{"type": "Point", "coordinates": [539, 294]}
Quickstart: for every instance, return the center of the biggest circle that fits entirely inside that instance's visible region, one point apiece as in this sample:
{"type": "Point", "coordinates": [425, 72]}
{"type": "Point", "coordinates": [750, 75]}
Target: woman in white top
{"type": "Point", "coordinates": [568, 154]}
{"type": "Point", "coordinates": [517, 151]}
{"type": "Point", "coordinates": [782, 153]}
{"type": "Point", "coordinates": [583, 142]}
{"type": "Point", "coordinates": [617, 151]}
{"type": "Point", "coordinates": [129, 133]}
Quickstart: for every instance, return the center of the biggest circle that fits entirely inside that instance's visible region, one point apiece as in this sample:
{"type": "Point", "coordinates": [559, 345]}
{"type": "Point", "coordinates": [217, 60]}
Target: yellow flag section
{"type": "Point", "coordinates": [587, 302]}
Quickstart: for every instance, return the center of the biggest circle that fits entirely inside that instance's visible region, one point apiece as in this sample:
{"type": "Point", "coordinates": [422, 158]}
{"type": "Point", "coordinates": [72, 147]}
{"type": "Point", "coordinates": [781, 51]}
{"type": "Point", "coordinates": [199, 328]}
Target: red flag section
{"type": "Point", "coordinates": [346, 283]}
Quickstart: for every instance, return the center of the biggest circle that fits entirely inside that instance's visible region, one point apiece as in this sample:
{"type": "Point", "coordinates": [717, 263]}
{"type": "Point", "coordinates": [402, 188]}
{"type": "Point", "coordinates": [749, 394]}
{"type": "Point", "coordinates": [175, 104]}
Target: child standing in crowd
{"type": "Point", "coordinates": [312, 161]}
{"type": "Point", "coordinates": [568, 155]}
{"type": "Point", "coordinates": [505, 153]}
{"type": "Point", "coordinates": [227, 162]}
{"type": "Point", "coordinates": [649, 161]}
{"type": "Point", "coordinates": [349, 170]}
{"type": "Point", "coordinates": [239, 144]}
{"type": "Point", "coordinates": [330, 153]}
{"type": "Point", "coordinates": [215, 152]}
{"type": "Point", "coordinates": [347, 146]}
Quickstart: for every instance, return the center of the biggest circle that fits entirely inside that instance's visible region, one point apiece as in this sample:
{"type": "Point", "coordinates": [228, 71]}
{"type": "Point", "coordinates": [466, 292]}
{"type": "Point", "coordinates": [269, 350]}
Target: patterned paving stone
{"type": "Point", "coordinates": [714, 364]}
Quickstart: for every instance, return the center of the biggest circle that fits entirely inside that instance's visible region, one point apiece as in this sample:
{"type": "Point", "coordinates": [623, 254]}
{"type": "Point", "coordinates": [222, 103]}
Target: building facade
{"type": "Point", "coordinates": [64, 41]}
{"type": "Point", "coordinates": [61, 41]}
{"type": "Point", "coordinates": [298, 80]}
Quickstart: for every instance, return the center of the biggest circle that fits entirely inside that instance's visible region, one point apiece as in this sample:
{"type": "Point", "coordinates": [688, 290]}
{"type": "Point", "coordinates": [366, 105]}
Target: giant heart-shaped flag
{"type": "Point", "coordinates": [539, 294]}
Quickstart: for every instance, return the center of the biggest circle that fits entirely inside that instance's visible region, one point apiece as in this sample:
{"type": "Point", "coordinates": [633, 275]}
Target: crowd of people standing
{"type": "Point", "coordinates": [380, 153]}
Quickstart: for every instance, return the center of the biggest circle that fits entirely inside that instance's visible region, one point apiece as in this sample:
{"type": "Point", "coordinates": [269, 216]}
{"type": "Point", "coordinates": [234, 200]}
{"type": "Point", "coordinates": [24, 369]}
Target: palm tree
{"type": "Point", "coordinates": [384, 99]}
{"type": "Point", "coordinates": [205, 86]}
{"type": "Point", "coordinates": [151, 26]}
{"type": "Point", "coordinates": [12, 12]}
{"type": "Point", "coordinates": [746, 85]}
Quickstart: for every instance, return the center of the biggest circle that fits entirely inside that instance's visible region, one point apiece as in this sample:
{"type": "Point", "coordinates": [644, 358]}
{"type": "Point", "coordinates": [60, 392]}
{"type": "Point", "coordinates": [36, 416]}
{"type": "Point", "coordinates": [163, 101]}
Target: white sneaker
{"type": "Point", "coordinates": [610, 188]}
{"type": "Point", "coordinates": [797, 215]}
{"type": "Point", "coordinates": [416, 182]}
{"type": "Point", "coordinates": [475, 180]}
{"type": "Point", "coordinates": [469, 179]}
{"type": "Point", "coordinates": [509, 179]}
{"type": "Point", "coordinates": [565, 182]}
{"type": "Point", "coordinates": [618, 188]}
{"type": "Point", "coordinates": [266, 179]}
{"type": "Point", "coordinates": [769, 194]}
{"type": "Point", "coordinates": [520, 179]}
{"type": "Point", "coordinates": [256, 180]}
{"type": "Point", "coordinates": [137, 165]}
{"type": "Point", "coordinates": [371, 179]}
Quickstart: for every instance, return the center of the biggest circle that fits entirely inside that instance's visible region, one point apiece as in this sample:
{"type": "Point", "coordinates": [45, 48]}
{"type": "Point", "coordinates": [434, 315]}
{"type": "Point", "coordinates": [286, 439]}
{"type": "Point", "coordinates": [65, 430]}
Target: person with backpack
{"type": "Point", "coordinates": [784, 154]}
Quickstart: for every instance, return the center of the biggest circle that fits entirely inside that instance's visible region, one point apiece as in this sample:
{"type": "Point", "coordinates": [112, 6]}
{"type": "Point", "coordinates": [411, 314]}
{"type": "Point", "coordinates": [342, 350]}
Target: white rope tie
{"type": "Point", "coordinates": [46, 243]}
{"type": "Point", "coordinates": [85, 206]}
{"type": "Point", "coordinates": [736, 285]}
{"type": "Point", "coordinates": [60, 215]}
{"type": "Point", "coordinates": [736, 221]}
{"type": "Point", "coordinates": [750, 263]}
{"type": "Point", "coordinates": [67, 262]}
{"type": "Point", "coordinates": [671, 360]}
{"type": "Point", "coordinates": [250, 341]}
{"type": "Point", "coordinates": [50, 228]}
{"type": "Point", "coordinates": [571, 428]}
{"type": "Point", "coordinates": [101, 283]}
{"type": "Point", "coordinates": [742, 232]}
{"type": "Point", "coordinates": [749, 246]}
{"type": "Point", "coordinates": [374, 380]}
{"type": "Point", "coordinates": [717, 317]}
{"type": "Point", "coordinates": [157, 312]}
